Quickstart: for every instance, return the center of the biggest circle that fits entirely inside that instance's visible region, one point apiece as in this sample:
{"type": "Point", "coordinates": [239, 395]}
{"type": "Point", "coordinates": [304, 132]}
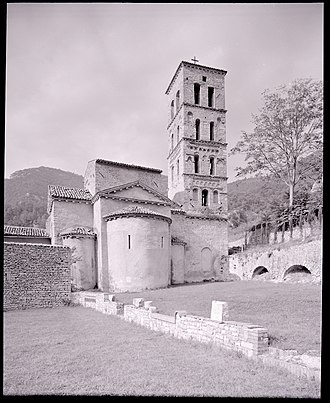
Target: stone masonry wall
{"type": "Point", "coordinates": [242, 337]}
{"type": "Point", "coordinates": [278, 261]}
{"type": "Point", "coordinates": [35, 276]}
{"type": "Point", "coordinates": [249, 340]}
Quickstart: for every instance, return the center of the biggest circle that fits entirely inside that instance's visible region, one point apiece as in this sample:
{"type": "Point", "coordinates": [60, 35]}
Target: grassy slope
{"type": "Point", "coordinates": [290, 312]}
{"type": "Point", "coordinates": [79, 351]}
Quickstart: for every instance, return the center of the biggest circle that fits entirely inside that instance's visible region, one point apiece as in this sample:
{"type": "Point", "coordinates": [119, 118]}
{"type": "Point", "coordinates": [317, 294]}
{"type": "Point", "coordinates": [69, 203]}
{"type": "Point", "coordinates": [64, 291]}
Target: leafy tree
{"type": "Point", "coordinates": [288, 128]}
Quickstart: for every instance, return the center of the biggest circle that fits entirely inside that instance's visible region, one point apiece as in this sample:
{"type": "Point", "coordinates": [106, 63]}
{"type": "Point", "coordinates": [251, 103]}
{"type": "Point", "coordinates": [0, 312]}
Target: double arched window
{"type": "Point", "coordinates": [196, 163]}
{"type": "Point", "coordinates": [205, 197]}
{"type": "Point", "coordinates": [197, 129]}
{"type": "Point", "coordinates": [212, 131]}
{"type": "Point", "coordinates": [197, 89]}
{"type": "Point", "coordinates": [212, 166]}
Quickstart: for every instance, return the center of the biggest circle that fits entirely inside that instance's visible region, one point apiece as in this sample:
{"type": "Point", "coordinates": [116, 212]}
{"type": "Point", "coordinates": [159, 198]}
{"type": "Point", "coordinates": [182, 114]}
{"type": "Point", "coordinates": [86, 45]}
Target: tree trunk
{"type": "Point", "coordinates": [291, 192]}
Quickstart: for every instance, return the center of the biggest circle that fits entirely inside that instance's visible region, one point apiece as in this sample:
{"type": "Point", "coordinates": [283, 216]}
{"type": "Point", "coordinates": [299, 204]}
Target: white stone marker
{"type": "Point", "coordinates": [138, 302]}
{"type": "Point", "coordinates": [219, 311]}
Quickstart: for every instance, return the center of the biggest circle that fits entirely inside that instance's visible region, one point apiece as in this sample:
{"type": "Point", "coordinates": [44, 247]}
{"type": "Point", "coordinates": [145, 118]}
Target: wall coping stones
{"type": "Point", "coordinates": [38, 245]}
{"type": "Point", "coordinates": [165, 318]}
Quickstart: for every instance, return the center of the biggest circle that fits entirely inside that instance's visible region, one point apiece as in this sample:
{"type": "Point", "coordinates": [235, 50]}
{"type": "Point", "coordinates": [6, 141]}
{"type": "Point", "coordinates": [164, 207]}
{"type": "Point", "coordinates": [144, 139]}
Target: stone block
{"type": "Point", "coordinates": [147, 304]}
{"type": "Point", "coordinates": [138, 302]}
{"type": "Point", "coordinates": [153, 309]}
{"type": "Point", "coordinates": [219, 311]}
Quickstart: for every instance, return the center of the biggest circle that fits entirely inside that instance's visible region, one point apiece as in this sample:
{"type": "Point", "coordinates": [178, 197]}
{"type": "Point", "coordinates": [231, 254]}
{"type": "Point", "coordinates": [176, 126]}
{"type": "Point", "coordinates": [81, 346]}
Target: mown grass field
{"type": "Point", "coordinates": [290, 312]}
{"type": "Point", "coordinates": [79, 351]}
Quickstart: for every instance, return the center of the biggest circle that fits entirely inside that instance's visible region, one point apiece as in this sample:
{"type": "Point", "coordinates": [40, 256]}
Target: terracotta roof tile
{"type": "Point", "coordinates": [176, 241]}
{"type": "Point", "coordinates": [133, 211]}
{"type": "Point", "coordinates": [101, 161]}
{"type": "Point", "coordinates": [25, 231]}
{"type": "Point", "coordinates": [55, 191]}
{"type": "Point", "coordinates": [78, 231]}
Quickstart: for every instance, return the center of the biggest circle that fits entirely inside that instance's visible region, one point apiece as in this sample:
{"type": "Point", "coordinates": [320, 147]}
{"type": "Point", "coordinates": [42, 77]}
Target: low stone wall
{"type": "Point", "coordinates": [250, 340]}
{"type": "Point", "coordinates": [36, 276]}
{"type": "Point", "coordinates": [241, 337]}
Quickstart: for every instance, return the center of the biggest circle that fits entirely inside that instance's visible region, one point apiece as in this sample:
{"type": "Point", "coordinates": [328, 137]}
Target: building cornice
{"type": "Point", "coordinates": [204, 177]}
{"type": "Point", "coordinates": [213, 217]}
{"type": "Point", "coordinates": [197, 67]}
{"type": "Point", "coordinates": [194, 106]}
{"type": "Point", "coordinates": [136, 212]}
{"type": "Point", "coordinates": [106, 162]}
{"type": "Point", "coordinates": [208, 143]}
{"type": "Point", "coordinates": [131, 200]}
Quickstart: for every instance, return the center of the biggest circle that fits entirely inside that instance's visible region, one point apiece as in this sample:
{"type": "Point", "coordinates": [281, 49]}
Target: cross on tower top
{"type": "Point", "coordinates": [195, 60]}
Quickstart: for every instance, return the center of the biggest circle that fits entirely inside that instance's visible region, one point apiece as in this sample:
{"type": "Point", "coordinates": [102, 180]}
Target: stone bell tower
{"type": "Point", "coordinates": [197, 161]}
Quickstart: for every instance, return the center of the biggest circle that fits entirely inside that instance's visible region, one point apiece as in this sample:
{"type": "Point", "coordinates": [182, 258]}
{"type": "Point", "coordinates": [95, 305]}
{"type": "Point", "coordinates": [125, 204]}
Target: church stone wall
{"type": "Point", "coordinates": [138, 253]}
{"type": "Point", "coordinates": [100, 176]}
{"type": "Point", "coordinates": [69, 214]}
{"type": "Point", "coordinates": [35, 276]}
{"type": "Point", "coordinates": [83, 268]}
{"type": "Point", "coordinates": [206, 250]}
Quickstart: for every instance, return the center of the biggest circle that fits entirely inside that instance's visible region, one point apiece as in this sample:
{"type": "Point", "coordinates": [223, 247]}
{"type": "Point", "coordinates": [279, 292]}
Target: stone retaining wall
{"type": "Point", "coordinates": [36, 276]}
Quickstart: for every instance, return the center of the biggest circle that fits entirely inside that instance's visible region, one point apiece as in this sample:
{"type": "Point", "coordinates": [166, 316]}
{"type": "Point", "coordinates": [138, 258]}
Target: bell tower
{"type": "Point", "coordinates": [197, 160]}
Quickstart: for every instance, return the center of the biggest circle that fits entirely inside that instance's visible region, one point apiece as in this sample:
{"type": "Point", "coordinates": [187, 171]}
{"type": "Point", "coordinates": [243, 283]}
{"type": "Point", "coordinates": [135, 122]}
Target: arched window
{"type": "Point", "coordinates": [172, 174]}
{"type": "Point", "coordinates": [210, 94]}
{"type": "Point", "coordinates": [177, 134]}
{"type": "Point", "coordinates": [177, 100]}
{"type": "Point", "coordinates": [212, 170]}
{"type": "Point", "coordinates": [195, 194]}
{"type": "Point", "coordinates": [196, 163]}
{"type": "Point", "coordinates": [178, 168]}
{"type": "Point", "coordinates": [172, 141]}
{"type": "Point", "coordinates": [197, 89]}
{"type": "Point", "coordinates": [197, 129]}
{"type": "Point", "coordinates": [204, 197]}
{"type": "Point", "coordinates": [172, 109]}
{"type": "Point", "coordinates": [190, 116]}
{"type": "Point", "coordinates": [211, 131]}
{"type": "Point", "coordinates": [215, 197]}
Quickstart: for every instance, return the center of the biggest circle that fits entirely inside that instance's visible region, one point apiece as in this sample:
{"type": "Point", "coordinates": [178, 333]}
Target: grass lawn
{"type": "Point", "coordinates": [79, 351]}
{"type": "Point", "coordinates": [290, 312]}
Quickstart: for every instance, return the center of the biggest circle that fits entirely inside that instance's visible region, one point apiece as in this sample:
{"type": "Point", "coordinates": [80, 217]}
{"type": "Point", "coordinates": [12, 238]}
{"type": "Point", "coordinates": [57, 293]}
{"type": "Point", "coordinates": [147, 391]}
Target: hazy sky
{"type": "Point", "coordinates": [87, 81]}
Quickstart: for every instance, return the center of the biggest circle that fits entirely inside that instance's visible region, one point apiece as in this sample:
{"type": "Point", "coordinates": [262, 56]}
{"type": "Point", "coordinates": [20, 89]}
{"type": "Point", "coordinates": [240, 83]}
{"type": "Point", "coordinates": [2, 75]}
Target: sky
{"type": "Point", "coordinates": [88, 80]}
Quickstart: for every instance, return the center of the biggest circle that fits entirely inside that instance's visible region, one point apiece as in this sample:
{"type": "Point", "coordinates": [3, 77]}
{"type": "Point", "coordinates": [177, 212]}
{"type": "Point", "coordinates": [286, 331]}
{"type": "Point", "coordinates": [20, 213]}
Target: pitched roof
{"type": "Point", "coordinates": [101, 161]}
{"type": "Point", "coordinates": [83, 231]}
{"type": "Point", "coordinates": [63, 192]}
{"type": "Point", "coordinates": [25, 231]}
{"type": "Point", "coordinates": [137, 183]}
{"type": "Point", "coordinates": [68, 193]}
{"type": "Point", "coordinates": [135, 211]}
{"type": "Point", "coordinates": [176, 241]}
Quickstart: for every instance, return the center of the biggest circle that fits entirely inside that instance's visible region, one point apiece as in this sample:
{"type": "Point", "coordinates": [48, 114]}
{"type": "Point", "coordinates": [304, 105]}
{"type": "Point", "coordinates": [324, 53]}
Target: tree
{"type": "Point", "coordinates": [288, 128]}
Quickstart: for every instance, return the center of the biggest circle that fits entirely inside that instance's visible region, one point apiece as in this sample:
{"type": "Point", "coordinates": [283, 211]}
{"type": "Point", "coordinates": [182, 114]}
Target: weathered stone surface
{"type": "Point", "coordinates": [137, 302]}
{"type": "Point", "coordinates": [36, 276]}
{"type": "Point", "coordinates": [219, 311]}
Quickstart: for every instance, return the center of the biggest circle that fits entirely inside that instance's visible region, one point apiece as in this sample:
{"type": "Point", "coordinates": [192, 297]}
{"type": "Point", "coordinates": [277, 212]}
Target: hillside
{"type": "Point", "coordinates": [25, 194]}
